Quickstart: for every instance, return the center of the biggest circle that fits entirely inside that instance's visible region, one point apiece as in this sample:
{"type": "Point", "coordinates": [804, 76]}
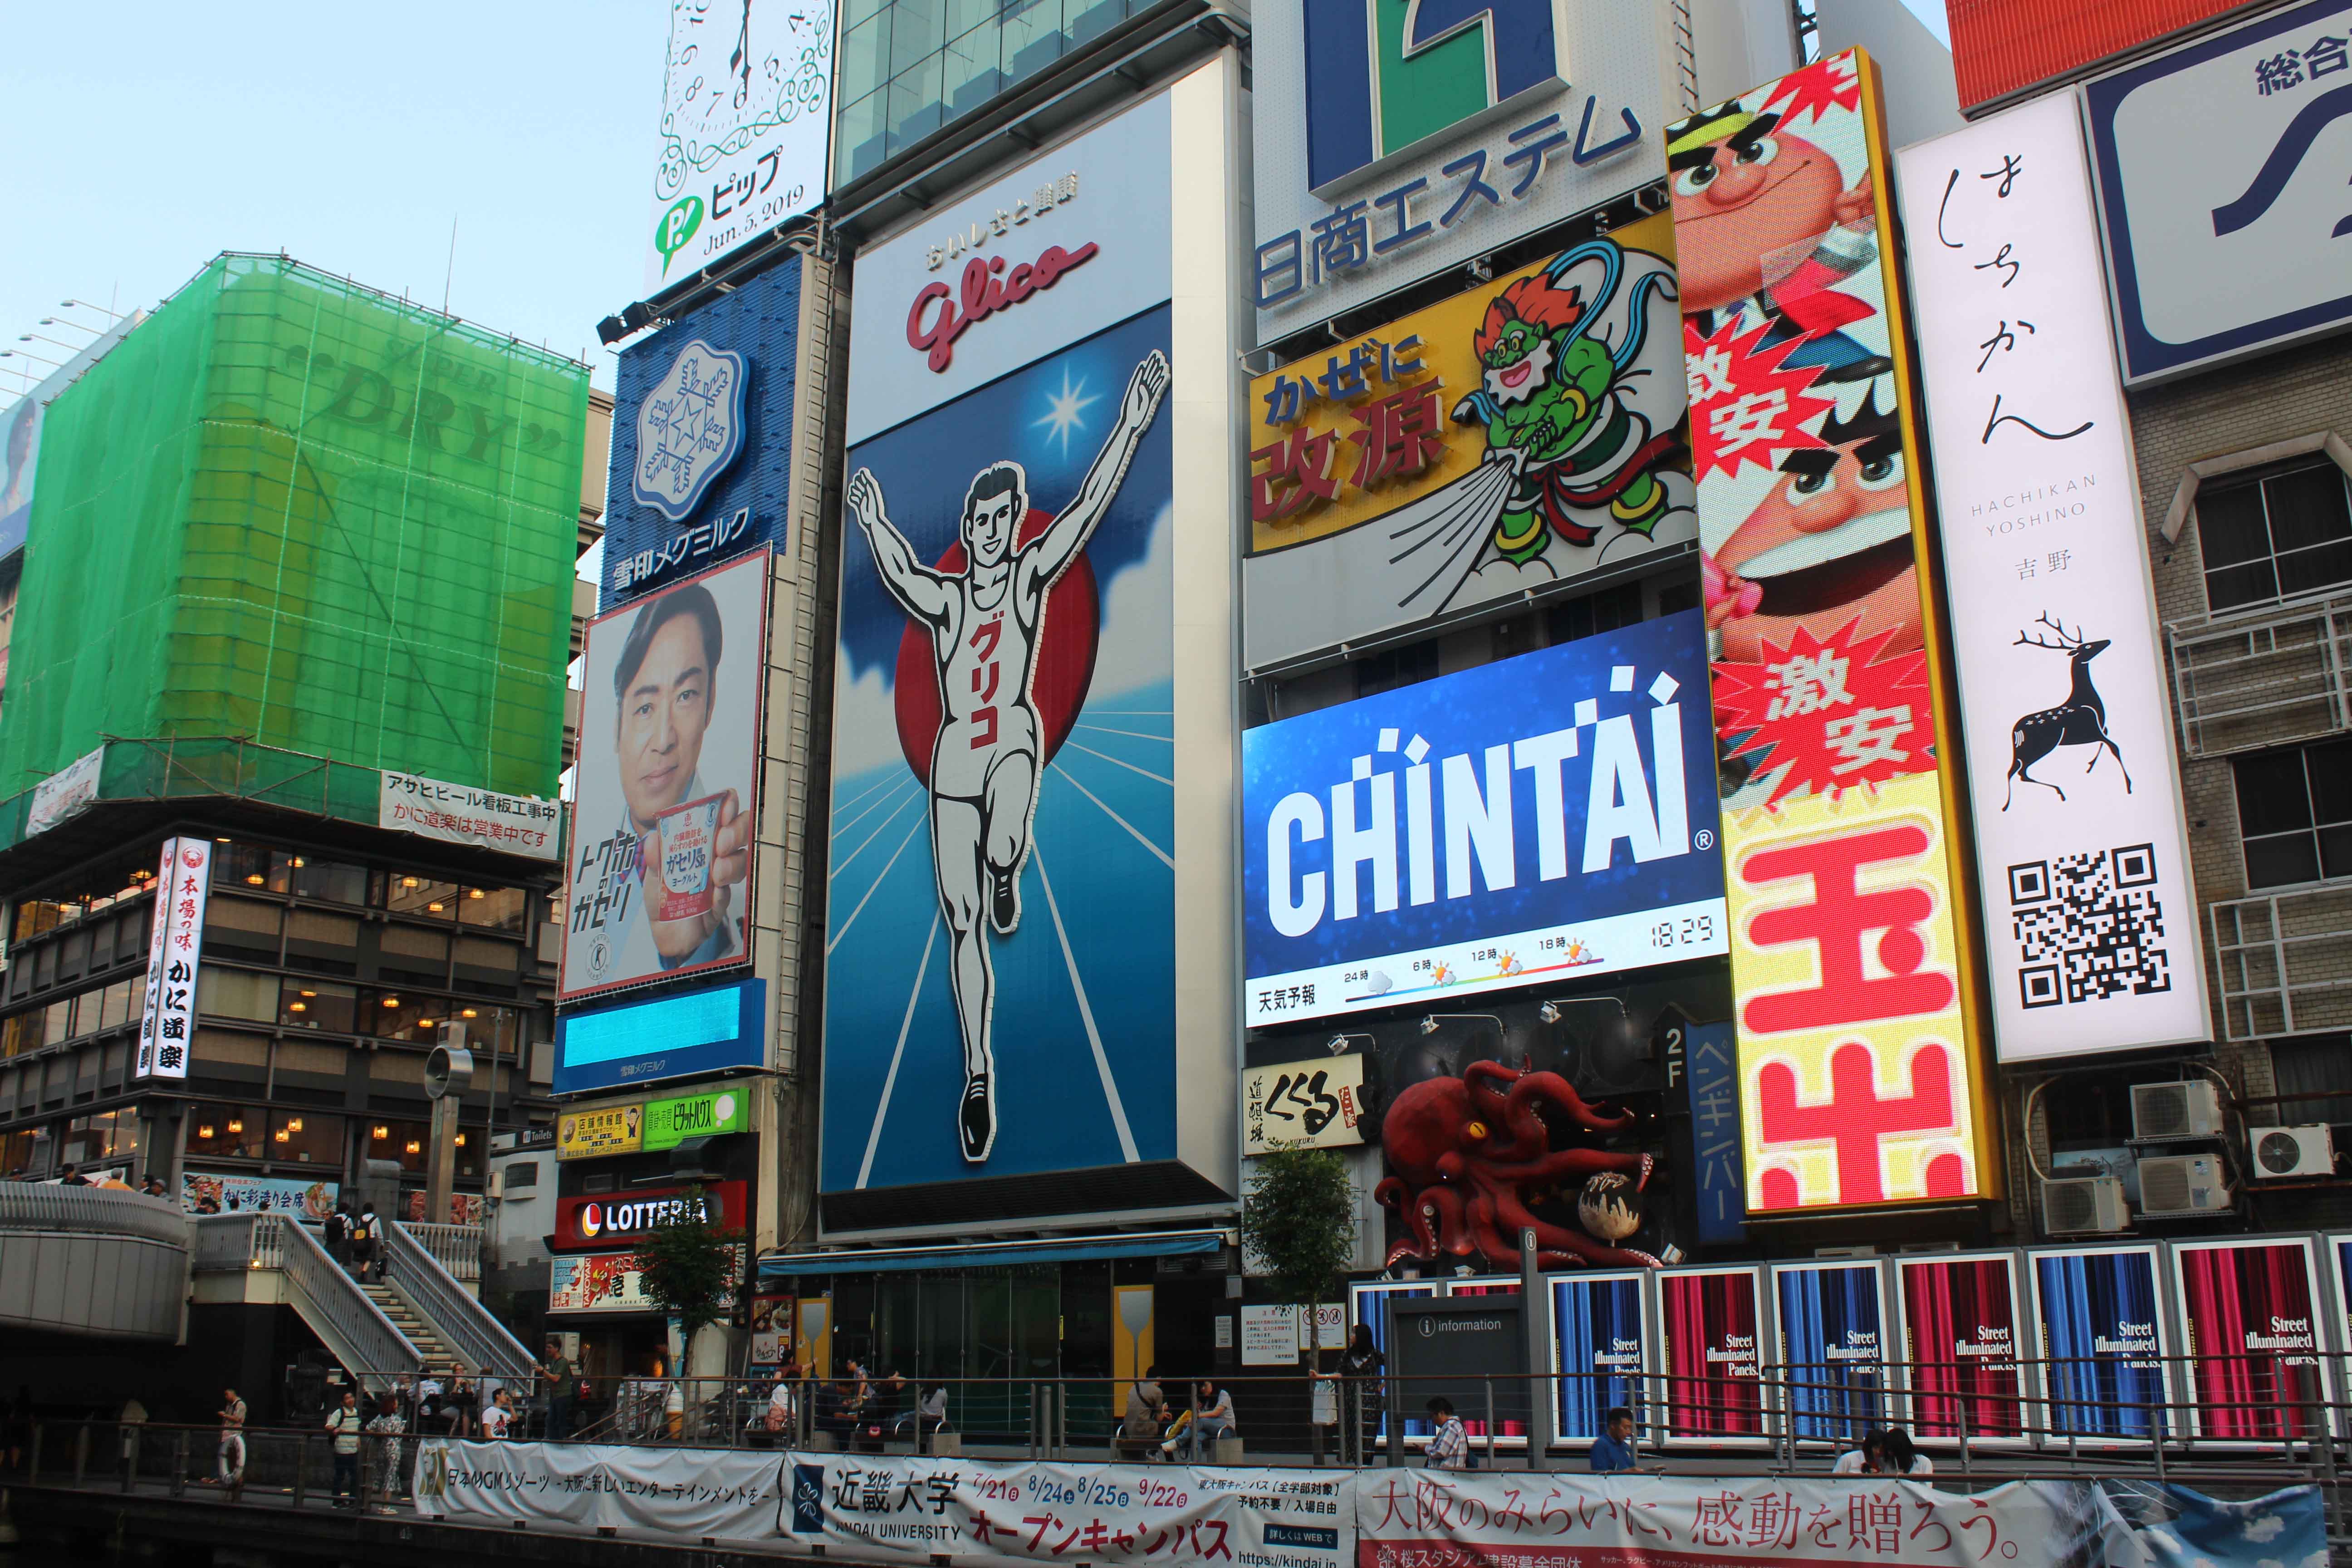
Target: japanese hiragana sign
{"type": "Point", "coordinates": [66, 792]}
{"type": "Point", "coordinates": [183, 880]}
{"type": "Point", "coordinates": [1520, 436]}
{"type": "Point", "coordinates": [2081, 835]}
{"type": "Point", "coordinates": [1392, 142]}
{"type": "Point", "coordinates": [2220, 178]}
{"type": "Point", "coordinates": [610, 1282]}
{"type": "Point", "coordinates": [746, 112]}
{"type": "Point", "coordinates": [604, 1129]}
{"type": "Point", "coordinates": [1314, 1104]}
{"type": "Point", "coordinates": [1858, 1070]}
{"type": "Point", "coordinates": [526, 824]}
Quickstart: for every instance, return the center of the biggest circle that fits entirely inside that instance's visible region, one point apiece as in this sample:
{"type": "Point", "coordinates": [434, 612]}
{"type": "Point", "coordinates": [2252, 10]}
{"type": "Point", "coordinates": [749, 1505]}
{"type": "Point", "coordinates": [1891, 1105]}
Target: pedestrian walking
{"type": "Point", "coordinates": [337, 1234]}
{"type": "Point", "coordinates": [364, 1242]}
{"type": "Point", "coordinates": [230, 1459]}
{"type": "Point", "coordinates": [345, 1423]}
{"type": "Point", "coordinates": [385, 1432]}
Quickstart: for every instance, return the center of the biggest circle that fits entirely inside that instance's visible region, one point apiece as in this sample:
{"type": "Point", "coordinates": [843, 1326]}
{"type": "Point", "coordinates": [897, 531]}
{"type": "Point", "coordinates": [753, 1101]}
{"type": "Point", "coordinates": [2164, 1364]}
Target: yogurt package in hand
{"type": "Point", "coordinates": [686, 834]}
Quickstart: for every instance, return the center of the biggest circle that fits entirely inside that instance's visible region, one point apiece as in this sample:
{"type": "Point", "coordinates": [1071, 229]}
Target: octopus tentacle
{"type": "Point", "coordinates": [1554, 1089]}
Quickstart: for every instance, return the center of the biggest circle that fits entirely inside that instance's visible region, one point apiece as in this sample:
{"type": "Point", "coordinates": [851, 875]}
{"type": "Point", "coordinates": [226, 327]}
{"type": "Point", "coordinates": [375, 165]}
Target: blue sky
{"type": "Point", "coordinates": [147, 136]}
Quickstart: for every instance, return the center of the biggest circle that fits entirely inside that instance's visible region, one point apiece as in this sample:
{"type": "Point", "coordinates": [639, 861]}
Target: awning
{"type": "Point", "coordinates": [994, 1255]}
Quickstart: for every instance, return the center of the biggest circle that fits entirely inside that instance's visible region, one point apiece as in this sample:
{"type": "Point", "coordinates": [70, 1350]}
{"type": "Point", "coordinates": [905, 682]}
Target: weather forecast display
{"type": "Point", "coordinates": [1549, 815]}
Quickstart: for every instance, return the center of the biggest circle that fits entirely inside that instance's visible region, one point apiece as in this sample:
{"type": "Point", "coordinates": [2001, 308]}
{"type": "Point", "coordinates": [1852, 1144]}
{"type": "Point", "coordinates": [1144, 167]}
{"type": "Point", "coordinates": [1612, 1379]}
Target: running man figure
{"type": "Point", "coordinates": [986, 622]}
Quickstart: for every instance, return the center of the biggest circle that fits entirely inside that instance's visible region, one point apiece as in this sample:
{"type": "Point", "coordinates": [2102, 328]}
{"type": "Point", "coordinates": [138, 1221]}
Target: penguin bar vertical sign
{"type": "Point", "coordinates": [1859, 1080]}
{"type": "Point", "coordinates": [2081, 841]}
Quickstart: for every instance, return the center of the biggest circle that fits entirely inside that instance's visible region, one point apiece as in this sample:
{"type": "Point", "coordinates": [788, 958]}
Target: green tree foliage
{"type": "Point", "coordinates": [1300, 1219]}
{"type": "Point", "coordinates": [687, 1265]}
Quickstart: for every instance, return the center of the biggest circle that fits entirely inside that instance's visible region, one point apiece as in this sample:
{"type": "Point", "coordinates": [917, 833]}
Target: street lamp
{"type": "Point", "coordinates": [86, 305]}
{"type": "Point", "coordinates": [1429, 1021]}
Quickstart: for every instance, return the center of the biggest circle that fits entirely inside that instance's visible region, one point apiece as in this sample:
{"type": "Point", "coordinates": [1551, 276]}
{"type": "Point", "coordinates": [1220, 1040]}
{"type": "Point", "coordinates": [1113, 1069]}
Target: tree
{"type": "Point", "coordinates": [687, 1265]}
{"type": "Point", "coordinates": [1301, 1219]}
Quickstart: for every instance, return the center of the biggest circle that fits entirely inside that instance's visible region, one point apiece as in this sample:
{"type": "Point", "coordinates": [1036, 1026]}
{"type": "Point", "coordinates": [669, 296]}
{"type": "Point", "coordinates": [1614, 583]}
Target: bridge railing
{"type": "Point", "coordinates": [417, 1269]}
{"type": "Point", "coordinates": [39, 1205]}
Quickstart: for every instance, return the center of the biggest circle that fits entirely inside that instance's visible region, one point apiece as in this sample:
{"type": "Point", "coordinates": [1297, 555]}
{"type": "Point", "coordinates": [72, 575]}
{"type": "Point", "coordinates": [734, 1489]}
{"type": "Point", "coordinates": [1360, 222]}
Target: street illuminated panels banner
{"type": "Point", "coordinates": [2081, 835]}
{"type": "Point", "coordinates": [2221, 168]}
{"type": "Point", "coordinates": [1961, 1333]}
{"type": "Point", "coordinates": [746, 120]}
{"type": "Point", "coordinates": [1858, 1073]}
{"type": "Point", "coordinates": [1527, 820]}
{"type": "Point", "coordinates": [667, 785]}
{"type": "Point", "coordinates": [1521, 435]}
{"type": "Point", "coordinates": [2250, 1319]}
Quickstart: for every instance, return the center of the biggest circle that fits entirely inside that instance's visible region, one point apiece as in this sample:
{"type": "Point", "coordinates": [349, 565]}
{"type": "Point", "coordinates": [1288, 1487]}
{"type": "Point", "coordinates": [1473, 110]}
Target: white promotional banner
{"type": "Point", "coordinates": [174, 949]}
{"type": "Point", "coordinates": [62, 793]}
{"type": "Point", "coordinates": [457, 813]}
{"type": "Point", "coordinates": [682, 1493]}
{"type": "Point", "coordinates": [746, 112]}
{"type": "Point", "coordinates": [2082, 847]}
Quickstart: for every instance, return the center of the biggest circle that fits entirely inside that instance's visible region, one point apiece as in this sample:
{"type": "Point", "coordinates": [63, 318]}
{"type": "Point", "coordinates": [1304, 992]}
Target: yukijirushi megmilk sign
{"type": "Point", "coordinates": [2081, 848]}
{"type": "Point", "coordinates": [1548, 816]}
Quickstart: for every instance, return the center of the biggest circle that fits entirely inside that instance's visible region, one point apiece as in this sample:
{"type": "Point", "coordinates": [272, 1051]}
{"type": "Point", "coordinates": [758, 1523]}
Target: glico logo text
{"type": "Point", "coordinates": [988, 287]}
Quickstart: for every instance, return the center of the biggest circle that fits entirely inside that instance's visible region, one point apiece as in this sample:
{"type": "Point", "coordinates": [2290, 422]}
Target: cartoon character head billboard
{"type": "Point", "coordinates": [1525, 432]}
{"type": "Point", "coordinates": [1002, 801]}
{"type": "Point", "coordinates": [1858, 1073]}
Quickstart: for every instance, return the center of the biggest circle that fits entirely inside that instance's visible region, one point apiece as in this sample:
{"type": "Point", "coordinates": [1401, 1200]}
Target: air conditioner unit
{"type": "Point", "coordinates": [2190, 1108]}
{"type": "Point", "coordinates": [2077, 1205]}
{"type": "Point", "coordinates": [2280, 1152]}
{"type": "Point", "coordinates": [2175, 1184]}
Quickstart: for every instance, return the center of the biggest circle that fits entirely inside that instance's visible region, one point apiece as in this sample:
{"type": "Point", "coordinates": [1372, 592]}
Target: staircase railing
{"type": "Point", "coordinates": [457, 1248]}
{"type": "Point", "coordinates": [353, 1329]}
{"type": "Point", "coordinates": [480, 1339]}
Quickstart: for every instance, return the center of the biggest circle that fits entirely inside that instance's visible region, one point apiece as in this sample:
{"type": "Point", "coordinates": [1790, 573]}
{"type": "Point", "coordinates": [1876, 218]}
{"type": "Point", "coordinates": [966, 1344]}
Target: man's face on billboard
{"type": "Point", "coordinates": [664, 711]}
{"type": "Point", "coordinates": [988, 528]}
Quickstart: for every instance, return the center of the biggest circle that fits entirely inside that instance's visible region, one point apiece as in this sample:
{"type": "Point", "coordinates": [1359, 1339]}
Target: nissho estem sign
{"type": "Point", "coordinates": [1548, 814]}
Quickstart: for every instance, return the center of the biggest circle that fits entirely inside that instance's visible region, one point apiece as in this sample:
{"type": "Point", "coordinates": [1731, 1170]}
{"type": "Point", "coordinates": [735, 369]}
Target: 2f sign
{"type": "Point", "coordinates": [1385, 76]}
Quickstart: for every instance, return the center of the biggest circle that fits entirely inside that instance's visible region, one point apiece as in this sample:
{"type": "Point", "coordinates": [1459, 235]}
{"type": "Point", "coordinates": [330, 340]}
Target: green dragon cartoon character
{"type": "Point", "coordinates": [1560, 396]}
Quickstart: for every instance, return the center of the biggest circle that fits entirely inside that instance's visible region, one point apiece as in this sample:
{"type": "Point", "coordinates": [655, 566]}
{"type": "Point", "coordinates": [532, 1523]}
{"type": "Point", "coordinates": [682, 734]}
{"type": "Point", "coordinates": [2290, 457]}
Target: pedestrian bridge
{"type": "Point", "coordinates": [99, 1261]}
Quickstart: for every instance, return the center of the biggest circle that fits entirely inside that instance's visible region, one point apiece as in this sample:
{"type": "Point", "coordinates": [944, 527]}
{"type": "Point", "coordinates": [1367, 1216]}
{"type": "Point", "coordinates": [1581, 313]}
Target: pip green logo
{"type": "Point", "coordinates": [677, 227]}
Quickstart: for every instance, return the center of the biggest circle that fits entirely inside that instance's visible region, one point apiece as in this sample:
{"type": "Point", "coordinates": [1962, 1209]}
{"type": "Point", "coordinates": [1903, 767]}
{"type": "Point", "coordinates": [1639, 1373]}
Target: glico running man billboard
{"type": "Point", "coordinates": [1032, 755]}
{"type": "Point", "coordinates": [1858, 1072]}
{"type": "Point", "coordinates": [1548, 814]}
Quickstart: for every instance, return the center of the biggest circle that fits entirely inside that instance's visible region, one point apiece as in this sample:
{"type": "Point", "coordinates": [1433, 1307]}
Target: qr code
{"type": "Point", "coordinates": [2088, 927]}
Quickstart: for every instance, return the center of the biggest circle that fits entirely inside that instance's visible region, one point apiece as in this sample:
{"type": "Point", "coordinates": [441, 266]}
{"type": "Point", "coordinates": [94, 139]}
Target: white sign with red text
{"type": "Point", "coordinates": [1071, 242]}
{"type": "Point", "coordinates": [184, 879]}
{"type": "Point", "coordinates": [526, 824]}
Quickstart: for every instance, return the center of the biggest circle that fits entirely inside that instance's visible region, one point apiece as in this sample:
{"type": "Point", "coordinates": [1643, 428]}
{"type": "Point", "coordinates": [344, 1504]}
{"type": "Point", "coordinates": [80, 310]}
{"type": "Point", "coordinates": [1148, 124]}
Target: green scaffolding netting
{"type": "Point", "coordinates": [291, 509]}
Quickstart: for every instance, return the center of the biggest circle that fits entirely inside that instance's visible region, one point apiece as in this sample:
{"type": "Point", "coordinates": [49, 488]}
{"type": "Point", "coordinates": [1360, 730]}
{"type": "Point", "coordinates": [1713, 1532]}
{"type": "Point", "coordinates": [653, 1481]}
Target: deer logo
{"type": "Point", "coordinates": [2080, 720]}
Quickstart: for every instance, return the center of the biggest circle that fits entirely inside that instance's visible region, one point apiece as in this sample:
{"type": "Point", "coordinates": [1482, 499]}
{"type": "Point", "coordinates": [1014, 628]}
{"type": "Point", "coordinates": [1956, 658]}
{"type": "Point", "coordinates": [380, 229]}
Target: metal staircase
{"type": "Point", "coordinates": [436, 1351]}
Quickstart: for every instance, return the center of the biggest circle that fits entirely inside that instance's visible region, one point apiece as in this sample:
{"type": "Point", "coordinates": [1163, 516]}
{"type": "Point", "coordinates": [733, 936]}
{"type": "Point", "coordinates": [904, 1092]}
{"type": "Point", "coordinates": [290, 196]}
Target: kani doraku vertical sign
{"type": "Point", "coordinates": [2090, 919]}
{"type": "Point", "coordinates": [174, 949]}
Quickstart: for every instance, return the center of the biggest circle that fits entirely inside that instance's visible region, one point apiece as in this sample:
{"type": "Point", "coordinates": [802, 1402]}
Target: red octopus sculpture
{"type": "Point", "coordinates": [1464, 1152]}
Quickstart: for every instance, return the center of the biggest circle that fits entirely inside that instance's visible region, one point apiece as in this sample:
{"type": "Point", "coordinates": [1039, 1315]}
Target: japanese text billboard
{"type": "Point", "coordinates": [1314, 1104]}
{"type": "Point", "coordinates": [1031, 747]}
{"type": "Point", "coordinates": [612, 1282]}
{"type": "Point", "coordinates": [746, 121]}
{"type": "Point", "coordinates": [1831, 1322]}
{"type": "Point", "coordinates": [1526, 818]}
{"type": "Point", "coordinates": [175, 949]}
{"type": "Point", "coordinates": [2101, 1315]}
{"type": "Point", "coordinates": [1392, 142]}
{"type": "Point", "coordinates": [2250, 1317]}
{"type": "Point", "coordinates": [1515, 438]}
{"type": "Point", "coordinates": [524, 825]}
{"type": "Point", "coordinates": [2221, 168]}
{"type": "Point", "coordinates": [2081, 836]}
{"type": "Point", "coordinates": [1858, 1070]}
{"type": "Point", "coordinates": [1961, 1333]}
{"type": "Point", "coordinates": [1712, 1323]}
{"type": "Point", "coordinates": [666, 788]}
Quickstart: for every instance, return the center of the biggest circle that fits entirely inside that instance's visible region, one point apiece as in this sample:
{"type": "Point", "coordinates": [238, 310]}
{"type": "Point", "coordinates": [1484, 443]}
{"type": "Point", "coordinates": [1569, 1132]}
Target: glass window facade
{"type": "Point", "coordinates": [910, 67]}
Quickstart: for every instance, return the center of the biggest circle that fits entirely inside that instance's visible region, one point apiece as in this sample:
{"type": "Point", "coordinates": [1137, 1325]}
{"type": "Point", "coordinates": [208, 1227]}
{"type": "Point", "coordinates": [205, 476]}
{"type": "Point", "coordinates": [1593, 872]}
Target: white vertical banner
{"type": "Point", "coordinates": [2091, 925]}
{"type": "Point", "coordinates": [174, 949]}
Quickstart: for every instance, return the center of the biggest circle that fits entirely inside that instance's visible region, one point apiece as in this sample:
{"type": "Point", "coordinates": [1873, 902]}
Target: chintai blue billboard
{"type": "Point", "coordinates": [1548, 816]}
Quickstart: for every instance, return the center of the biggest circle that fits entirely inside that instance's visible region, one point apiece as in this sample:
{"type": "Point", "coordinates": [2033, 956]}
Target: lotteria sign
{"type": "Point", "coordinates": [610, 1219]}
{"type": "Point", "coordinates": [1547, 816]}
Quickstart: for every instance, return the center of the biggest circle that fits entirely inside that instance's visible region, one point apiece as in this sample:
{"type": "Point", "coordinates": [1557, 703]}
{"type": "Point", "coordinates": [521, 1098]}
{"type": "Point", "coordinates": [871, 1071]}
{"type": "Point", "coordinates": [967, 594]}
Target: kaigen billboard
{"type": "Point", "coordinates": [1528, 819]}
{"type": "Point", "coordinates": [2082, 842]}
{"type": "Point", "coordinates": [666, 787]}
{"type": "Point", "coordinates": [1505, 443]}
{"type": "Point", "coordinates": [2250, 1319]}
{"type": "Point", "coordinates": [2101, 1316]}
{"type": "Point", "coordinates": [1858, 1070]}
{"type": "Point", "coordinates": [2221, 168]}
{"type": "Point", "coordinates": [1031, 788]}
{"type": "Point", "coordinates": [1961, 1329]}
{"type": "Point", "coordinates": [1831, 1323]}
{"type": "Point", "coordinates": [1712, 1322]}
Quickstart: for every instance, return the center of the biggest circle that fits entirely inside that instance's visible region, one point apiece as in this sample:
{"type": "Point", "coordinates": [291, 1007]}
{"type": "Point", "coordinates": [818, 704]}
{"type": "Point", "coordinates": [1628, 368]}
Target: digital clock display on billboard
{"type": "Point", "coordinates": [1548, 816]}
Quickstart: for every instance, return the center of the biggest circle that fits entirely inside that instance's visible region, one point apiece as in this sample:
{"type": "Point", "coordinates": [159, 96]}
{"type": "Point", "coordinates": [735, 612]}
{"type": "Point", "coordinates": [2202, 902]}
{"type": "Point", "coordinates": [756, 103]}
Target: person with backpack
{"type": "Point", "coordinates": [365, 1247]}
{"type": "Point", "coordinates": [337, 1235]}
{"type": "Point", "coordinates": [346, 1423]}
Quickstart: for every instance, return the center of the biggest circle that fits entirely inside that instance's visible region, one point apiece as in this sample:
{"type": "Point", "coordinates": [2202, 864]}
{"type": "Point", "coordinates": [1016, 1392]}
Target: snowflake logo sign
{"type": "Point", "coordinates": [689, 428]}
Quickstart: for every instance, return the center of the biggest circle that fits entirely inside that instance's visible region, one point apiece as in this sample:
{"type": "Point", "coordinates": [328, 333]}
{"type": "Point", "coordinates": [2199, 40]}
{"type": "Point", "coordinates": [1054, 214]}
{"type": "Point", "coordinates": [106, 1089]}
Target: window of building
{"type": "Point", "coordinates": [331, 881]}
{"type": "Point", "coordinates": [25, 1032]}
{"type": "Point", "coordinates": [16, 1153]}
{"type": "Point", "coordinates": [306, 1137]}
{"type": "Point", "coordinates": [402, 1014]}
{"type": "Point", "coordinates": [2295, 811]}
{"type": "Point", "coordinates": [1406, 665]}
{"type": "Point", "coordinates": [2314, 1063]}
{"type": "Point", "coordinates": [107, 1135]}
{"type": "Point", "coordinates": [236, 994]}
{"type": "Point", "coordinates": [407, 1142]}
{"type": "Point", "coordinates": [249, 867]}
{"type": "Point", "coordinates": [2275, 533]}
{"type": "Point", "coordinates": [1591, 614]}
{"type": "Point", "coordinates": [521, 1173]}
{"type": "Point", "coordinates": [407, 894]}
{"type": "Point", "coordinates": [227, 1131]}
{"type": "Point", "coordinates": [493, 909]}
{"type": "Point", "coordinates": [318, 1004]}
